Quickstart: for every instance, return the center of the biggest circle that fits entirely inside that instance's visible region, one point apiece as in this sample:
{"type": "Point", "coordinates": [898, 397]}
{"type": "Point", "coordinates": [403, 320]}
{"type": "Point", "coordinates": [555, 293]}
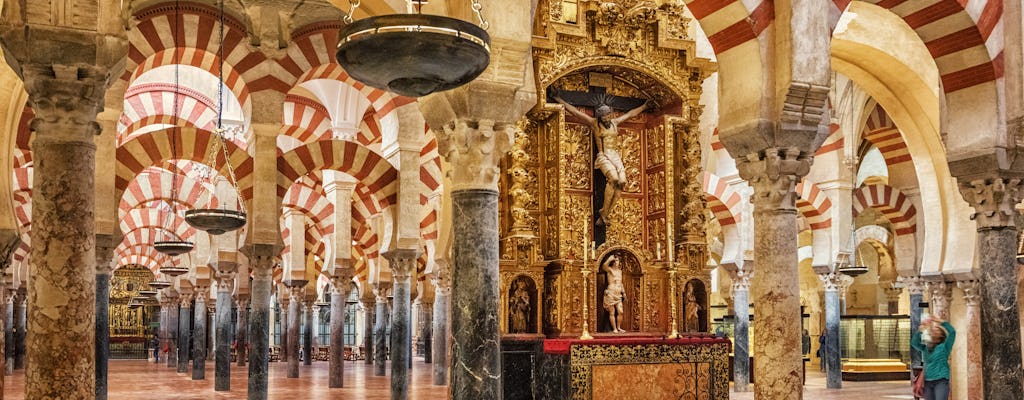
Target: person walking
{"type": "Point", "coordinates": [934, 339]}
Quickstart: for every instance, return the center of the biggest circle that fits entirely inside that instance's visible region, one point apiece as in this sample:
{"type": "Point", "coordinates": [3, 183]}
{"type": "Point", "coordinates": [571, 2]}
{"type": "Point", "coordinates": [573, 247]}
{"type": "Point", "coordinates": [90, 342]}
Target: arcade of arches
{"type": "Point", "coordinates": [837, 169]}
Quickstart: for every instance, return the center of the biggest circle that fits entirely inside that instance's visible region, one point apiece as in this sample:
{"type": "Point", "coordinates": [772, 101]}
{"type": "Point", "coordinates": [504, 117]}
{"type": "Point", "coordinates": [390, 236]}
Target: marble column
{"type": "Point", "coordinates": [307, 334]}
{"type": "Point", "coordinates": [442, 296]}
{"type": "Point", "coordinates": [296, 288]}
{"type": "Point", "coordinates": [9, 333]}
{"type": "Point", "coordinates": [284, 304]}
{"type": "Point", "coordinates": [184, 336]}
{"type": "Point", "coordinates": [20, 319]}
{"type": "Point", "coordinates": [241, 335]}
{"type": "Point", "coordinates": [222, 366]}
{"type": "Point", "coordinates": [778, 360]}
{"type": "Point", "coordinates": [972, 337]}
{"type": "Point", "coordinates": [380, 351]}
{"type": "Point", "coordinates": [199, 333]}
{"type": "Point", "coordinates": [915, 287]}
{"type": "Point", "coordinates": [262, 261]}
{"type": "Point", "coordinates": [172, 328]}
{"type": "Point", "coordinates": [103, 273]}
{"type": "Point", "coordinates": [163, 330]}
{"type": "Point", "coordinates": [833, 358]}
{"type": "Point", "coordinates": [62, 302]}
{"type": "Point", "coordinates": [211, 330]}
{"type": "Point", "coordinates": [426, 328]}
{"type": "Point", "coordinates": [369, 322]}
{"type": "Point", "coordinates": [741, 345]}
{"type": "Point", "coordinates": [342, 285]}
{"type": "Point", "coordinates": [403, 264]}
{"type": "Point", "coordinates": [993, 200]}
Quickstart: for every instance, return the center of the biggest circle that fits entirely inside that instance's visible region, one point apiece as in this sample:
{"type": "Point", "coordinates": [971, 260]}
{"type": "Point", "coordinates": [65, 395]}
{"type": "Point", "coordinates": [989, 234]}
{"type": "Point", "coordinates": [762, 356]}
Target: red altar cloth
{"type": "Point", "coordinates": [561, 346]}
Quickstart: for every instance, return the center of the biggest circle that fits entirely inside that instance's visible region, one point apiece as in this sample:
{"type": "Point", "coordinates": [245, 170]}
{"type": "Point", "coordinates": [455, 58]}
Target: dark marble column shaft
{"type": "Point", "coordinates": [184, 334]}
{"type": "Point", "coordinates": [741, 341]}
{"type": "Point", "coordinates": [241, 334]}
{"type": "Point", "coordinates": [294, 320]}
{"type": "Point", "coordinates": [3, 336]}
{"type": "Point", "coordinates": [833, 358]}
{"type": "Point", "coordinates": [199, 334]}
{"type": "Point", "coordinates": [9, 334]}
{"type": "Point", "coordinates": [102, 331]}
{"type": "Point", "coordinates": [426, 329]}
{"type": "Point", "coordinates": [172, 331]}
{"type": "Point", "coordinates": [19, 329]}
{"type": "Point", "coordinates": [369, 320]}
{"type": "Point", "coordinates": [307, 334]}
{"type": "Point", "coordinates": [440, 335]}
{"type": "Point", "coordinates": [222, 366]}
{"type": "Point", "coordinates": [476, 339]}
{"type": "Point", "coordinates": [1000, 313]}
{"type": "Point", "coordinates": [402, 263]}
{"type": "Point", "coordinates": [915, 320]}
{"type": "Point", "coordinates": [380, 351]}
{"type": "Point", "coordinates": [284, 305]}
{"type": "Point", "coordinates": [259, 326]}
{"type": "Point", "coordinates": [161, 332]}
{"type": "Point", "coordinates": [336, 378]}
{"type": "Point", "coordinates": [211, 331]}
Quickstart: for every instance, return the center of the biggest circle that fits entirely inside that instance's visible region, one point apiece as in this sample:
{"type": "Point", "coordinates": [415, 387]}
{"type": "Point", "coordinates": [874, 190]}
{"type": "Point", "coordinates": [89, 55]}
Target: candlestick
{"type": "Point", "coordinates": [672, 290]}
{"type": "Point", "coordinates": [586, 303]}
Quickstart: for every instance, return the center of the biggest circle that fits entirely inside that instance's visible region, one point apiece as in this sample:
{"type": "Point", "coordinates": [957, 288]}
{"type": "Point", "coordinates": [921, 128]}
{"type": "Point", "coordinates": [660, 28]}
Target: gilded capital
{"type": "Point", "coordinates": [475, 148]}
{"type": "Point", "coordinates": [66, 100]}
{"type": "Point", "coordinates": [993, 200]}
{"type": "Point", "coordinates": [774, 173]}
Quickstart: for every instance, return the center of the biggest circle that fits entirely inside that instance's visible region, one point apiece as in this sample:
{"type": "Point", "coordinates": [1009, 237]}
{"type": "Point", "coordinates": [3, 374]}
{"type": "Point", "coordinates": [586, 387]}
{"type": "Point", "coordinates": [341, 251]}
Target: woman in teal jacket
{"type": "Point", "coordinates": [934, 339]}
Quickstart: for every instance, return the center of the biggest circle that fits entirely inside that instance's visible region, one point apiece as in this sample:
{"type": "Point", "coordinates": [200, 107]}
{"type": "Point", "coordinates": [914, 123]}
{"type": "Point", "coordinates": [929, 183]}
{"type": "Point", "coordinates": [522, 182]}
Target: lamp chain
{"type": "Point", "coordinates": [478, 9]}
{"type": "Point", "coordinates": [354, 4]}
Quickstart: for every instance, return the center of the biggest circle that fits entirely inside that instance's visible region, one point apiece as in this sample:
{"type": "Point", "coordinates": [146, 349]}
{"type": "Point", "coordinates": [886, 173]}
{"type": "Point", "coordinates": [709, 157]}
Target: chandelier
{"type": "Point", "coordinates": [213, 220]}
{"type": "Point", "coordinates": [414, 55]}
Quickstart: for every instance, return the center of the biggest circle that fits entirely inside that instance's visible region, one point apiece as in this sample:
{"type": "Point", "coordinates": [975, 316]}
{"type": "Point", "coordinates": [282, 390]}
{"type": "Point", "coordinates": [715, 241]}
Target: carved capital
{"type": "Point", "coordinates": [972, 291]}
{"type": "Point", "coordinates": [402, 262]}
{"type": "Point", "coordinates": [474, 149]}
{"type": "Point", "coordinates": [226, 280]}
{"type": "Point", "coordinates": [381, 290]}
{"type": "Point", "coordinates": [342, 284]}
{"type": "Point", "coordinates": [774, 173]}
{"type": "Point", "coordinates": [66, 100]}
{"type": "Point", "coordinates": [993, 200]}
{"type": "Point", "coordinates": [185, 299]}
{"type": "Point", "coordinates": [914, 284]}
{"type": "Point", "coordinates": [845, 281]}
{"type": "Point", "coordinates": [892, 293]}
{"type": "Point", "coordinates": [831, 280]}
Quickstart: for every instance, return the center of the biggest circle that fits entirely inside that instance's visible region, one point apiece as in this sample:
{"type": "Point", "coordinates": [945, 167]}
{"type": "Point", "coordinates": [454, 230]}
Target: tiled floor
{"type": "Point", "coordinates": [138, 380]}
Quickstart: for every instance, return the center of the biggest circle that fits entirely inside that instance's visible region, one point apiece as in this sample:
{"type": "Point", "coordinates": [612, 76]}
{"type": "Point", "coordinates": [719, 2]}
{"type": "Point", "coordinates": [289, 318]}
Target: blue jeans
{"type": "Point", "coordinates": [937, 389]}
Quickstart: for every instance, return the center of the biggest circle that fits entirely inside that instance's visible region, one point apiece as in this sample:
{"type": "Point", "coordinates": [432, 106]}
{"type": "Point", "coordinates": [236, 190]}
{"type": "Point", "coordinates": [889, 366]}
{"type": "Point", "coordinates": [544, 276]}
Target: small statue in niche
{"type": "Point", "coordinates": [615, 293]}
{"type": "Point", "coordinates": [519, 307]}
{"type": "Point", "coordinates": [605, 131]}
{"type": "Point", "coordinates": [692, 318]}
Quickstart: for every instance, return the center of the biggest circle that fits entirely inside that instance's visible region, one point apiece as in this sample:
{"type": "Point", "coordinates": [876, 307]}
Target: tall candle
{"type": "Point", "coordinates": [584, 241]}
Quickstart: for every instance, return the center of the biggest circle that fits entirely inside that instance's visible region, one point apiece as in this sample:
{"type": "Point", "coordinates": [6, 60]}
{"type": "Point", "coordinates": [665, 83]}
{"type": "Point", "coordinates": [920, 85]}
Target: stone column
{"type": "Point", "coordinates": [104, 269]}
{"type": "Point", "coordinates": [474, 149]}
{"type": "Point", "coordinates": [892, 297]}
{"type": "Point", "coordinates": [380, 351]}
{"type": "Point", "coordinates": [262, 260]}
{"type": "Point", "coordinates": [66, 100]}
{"type": "Point", "coordinates": [184, 336]}
{"type": "Point", "coordinates": [778, 362]}
{"type": "Point", "coordinates": [342, 285]}
{"type": "Point", "coordinates": [222, 368]}
{"type": "Point", "coordinates": [369, 320]}
{"type": "Point", "coordinates": [307, 335]}
{"type": "Point", "coordinates": [211, 330]}
{"type": "Point", "coordinates": [164, 305]}
{"type": "Point", "coordinates": [993, 200]}
{"type": "Point", "coordinates": [403, 265]}
{"type": "Point", "coordinates": [833, 357]}
{"type": "Point", "coordinates": [741, 345]}
{"type": "Point", "coordinates": [241, 335]}
{"type": "Point", "coordinates": [199, 333]}
{"type": "Point", "coordinates": [20, 329]}
{"type": "Point", "coordinates": [442, 302]}
{"type": "Point", "coordinates": [975, 380]}
{"type": "Point", "coordinates": [296, 288]}
{"type": "Point", "coordinates": [915, 286]}
{"type": "Point", "coordinates": [172, 328]}
{"type": "Point", "coordinates": [9, 332]}
{"type": "Point", "coordinates": [426, 328]}
{"type": "Point", "coordinates": [284, 304]}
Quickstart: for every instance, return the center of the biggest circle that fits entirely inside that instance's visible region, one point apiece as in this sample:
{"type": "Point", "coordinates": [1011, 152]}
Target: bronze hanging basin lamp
{"type": "Point", "coordinates": [414, 55]}
{"type": "Point", "coordinates": [173, 271]}
{"type": "Point", "coordinates": [215, 221]}
{"type": "Point", "coordinates": [173, 247]}
{"type": "Point", "coordinates": [159, 284]}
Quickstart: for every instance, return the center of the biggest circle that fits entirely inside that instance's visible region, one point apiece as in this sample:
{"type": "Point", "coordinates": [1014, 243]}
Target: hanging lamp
{"type": "Point", "coordinates": [174, 245]}
{"type": "Point", "coordinates": [159, 284]}
{"type": "Point", "coordinates": [414, 55]}
{"type": "Point", "coordinates": [173, 271]}
{"type": "Point", "coordinates": [213, 220]}
{"type": "Point", "coordinates": [147, 293]}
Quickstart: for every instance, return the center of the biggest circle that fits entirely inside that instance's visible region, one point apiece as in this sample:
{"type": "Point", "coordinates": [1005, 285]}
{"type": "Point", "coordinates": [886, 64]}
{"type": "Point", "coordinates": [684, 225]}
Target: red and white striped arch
{"type": "Point", "coordinates": [313, 46]}
{"type": "Point", "coordinates": [381, 102]}
{"type": "Point", "coordinates": [730, 23]}
{"type": "Point", "coordinates": [313, 204]}
{"type": "Point", "coordinates": [155, 219]}
{"type": "Point", "coordinates": [305, 120]}
{"type": "Point", "coordinates": [156, 184]}
{"type": "Point", "coordinates": [430, 166]}
{"type": "Point", "coordinates": [813, 205]}
{"type": "Point", "coordinates": [368, 167]}
{"type": "Point", "coordinates": [896, 207]}
{"type": "Point", "coordinates": [883, 134]}
{"type": "Point", "coordinates": [191, 144]}
{"type": "Point", "coordinates": [963, 36]}
{"type": "Point", "coordinates": [722, 200]}
{"type": "Point", "coordinates": [156, 101]}
{"type": "Point", "coordinates": [834, 141]}
{"type": "Point", "coordinates": [22, 158]}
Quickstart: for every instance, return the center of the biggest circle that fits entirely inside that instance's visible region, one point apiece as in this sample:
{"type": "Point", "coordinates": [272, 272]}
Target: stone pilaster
{"type": "Point", "coordinates": [262, 262]}
{"type": "Point", "coordinates": [296, 290]}
{"type": "Point", "coordinates": [915, 287]}
{"type": "Point", "coordinates": [202, 293]}
{"type": "Point", "coordinates": [442, 304]}
{"type": "Point", "coordinates": [222, 366]}
{"type": "Point", "coordinates": [975, 380]}
{"type": "Point", "coordinates": [741, 340]}
{"type": "Point", "coordinates": [993, 200]}
{"type": "Point", "coordinates": [342, 286]}
{"type": "Point", "coordinates": [380, 351]}
{"type": "Point", "coordinates": [778, 359]}
{"type": "Point", "coordinates": [833, 282]}
{"type": "Point", "coordinates": [241, 334]}
{"type": "Point", "coordinates": [307, 334]}
{"type": "Point", "coordinates": [104, 269]}
{"type": "Point", "coordinates": [184, 331]}
{"type": "Point", "coordinates": [403, 265]}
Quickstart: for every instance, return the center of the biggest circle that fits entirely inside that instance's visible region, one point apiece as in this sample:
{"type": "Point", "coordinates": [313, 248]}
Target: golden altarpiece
{"type": "Point", "coordinates": [630, 50]}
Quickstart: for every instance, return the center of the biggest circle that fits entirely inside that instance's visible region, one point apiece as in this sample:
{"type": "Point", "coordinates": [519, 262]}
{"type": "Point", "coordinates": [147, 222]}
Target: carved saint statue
{"type": "Point", "coordinates": [615, 293]}
{"type": "Point", "coordinates": [519, 307]}
{"type": "Point", "coordinates": [605, 131]}
{"type": "Point", "coordinates": [691, 322]}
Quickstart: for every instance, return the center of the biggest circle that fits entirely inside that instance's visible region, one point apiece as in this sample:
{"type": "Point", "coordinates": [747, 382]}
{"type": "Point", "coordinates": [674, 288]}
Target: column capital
{"type": "Point", "coordinates": [402, 262]}
{"type": "Point", "coordinates": [845, 281]}
{"type": "Point", "coordinates": [185, 299]}
{"type": "Point", "coordinates": [773, 173]}
{"type": "Point", "coordinates": [914, 284]}
{"type": "Point", "coordinates": [892, 293]}
{"type": "Point", "coordinates": [475, 148]}
{"type": "Point", "coordinates": [442, 275]}
{"type": "Point", "coordinates": [380, 290]}
{"type": "Point", "coordinates": [241, 303]}
{"type": "Point", "coordinates": [831, 280]}
{"type": "Point", "coordinates": [105, 245]}
{"type": "Point", "coordinates": [342, 284]}
{"type": "Point", "coordinates": [972, 291]}
{"type": "Point", "coordinates": [993, 200]}
{"type": "Point", "coordinates": [66, 100]}
{"type": "Point", "coordinates": [226, 280]}
{"type": "Point", "coordinates": [741, 280]}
